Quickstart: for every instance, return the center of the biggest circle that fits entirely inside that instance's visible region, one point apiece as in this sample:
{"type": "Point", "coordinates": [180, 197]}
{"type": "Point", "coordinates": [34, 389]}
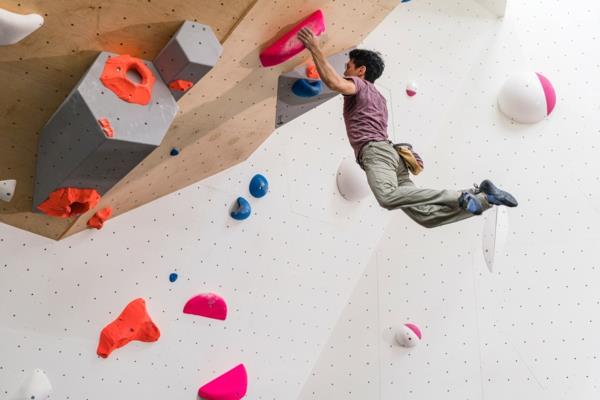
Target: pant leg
{"type": "Point", "coordinates": [390, 182]}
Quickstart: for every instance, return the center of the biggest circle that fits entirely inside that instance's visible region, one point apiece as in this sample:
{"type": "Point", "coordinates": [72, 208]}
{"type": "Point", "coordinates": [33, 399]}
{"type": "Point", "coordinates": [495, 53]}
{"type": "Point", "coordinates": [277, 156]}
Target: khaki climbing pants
{"type": "Point", "coordinates": [390, 182]}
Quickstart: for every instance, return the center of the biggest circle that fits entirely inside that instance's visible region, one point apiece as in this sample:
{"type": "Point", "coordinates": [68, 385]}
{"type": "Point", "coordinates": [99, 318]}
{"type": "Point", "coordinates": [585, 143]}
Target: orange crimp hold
{"type": "Point", "coordinates": [181, 85]}
{"type": "Point", "coordinates": [115, 78]}
{"type": "Point", "coordinates": [97, 221]}
{"type": "Point", "coordinates": [66, 202]}
{"type": "Point", "coordinates": [134, 323]}
{"type": "Point", "coordinates": [311, 72]}
{"type": "Point", "coordinates": [106, 128]}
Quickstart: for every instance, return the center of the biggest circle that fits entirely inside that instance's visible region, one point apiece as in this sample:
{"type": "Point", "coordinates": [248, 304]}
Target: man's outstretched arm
{"type": "Point", "coordinates": [329, 75]}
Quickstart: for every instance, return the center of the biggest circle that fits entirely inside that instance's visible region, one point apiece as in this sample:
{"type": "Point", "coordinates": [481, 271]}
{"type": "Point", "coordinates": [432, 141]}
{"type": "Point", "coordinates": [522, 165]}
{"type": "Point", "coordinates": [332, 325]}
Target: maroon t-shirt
{"type": "Point", "coordinates": [365, 115]}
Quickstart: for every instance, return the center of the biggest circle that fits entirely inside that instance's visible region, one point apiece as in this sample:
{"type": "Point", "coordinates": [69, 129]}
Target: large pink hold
{"type": "Point", "coordinates": [289, 45]}
{"type": "Point", "coordinates": [232, 385]}
{"type": "Point", "coordinates": [208, 305]}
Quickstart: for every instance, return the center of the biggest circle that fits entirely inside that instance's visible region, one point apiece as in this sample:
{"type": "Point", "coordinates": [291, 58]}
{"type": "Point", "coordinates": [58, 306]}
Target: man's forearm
{"type": "Point", "coordinates": [328, 74]}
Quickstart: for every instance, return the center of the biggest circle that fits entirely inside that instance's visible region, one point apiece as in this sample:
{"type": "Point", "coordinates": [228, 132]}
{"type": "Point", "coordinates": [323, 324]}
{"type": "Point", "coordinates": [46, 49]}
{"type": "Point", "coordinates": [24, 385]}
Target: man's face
{"type": "Point", "coordinates": [351, 69]}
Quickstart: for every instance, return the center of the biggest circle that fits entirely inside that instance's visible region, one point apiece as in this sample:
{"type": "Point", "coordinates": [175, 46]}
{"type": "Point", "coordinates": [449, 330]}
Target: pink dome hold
{"type": "Point", "coordinates": [208, 305]}
{"type": "Point", "coordinates": [414, 328]}
{"type": "Point", "coordinates": [232, 385]}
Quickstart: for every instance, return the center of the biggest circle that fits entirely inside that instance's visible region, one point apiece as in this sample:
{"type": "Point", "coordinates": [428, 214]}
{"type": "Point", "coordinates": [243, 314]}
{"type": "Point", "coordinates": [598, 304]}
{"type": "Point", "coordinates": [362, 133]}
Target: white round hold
{"type": "Point", "coordinates": [7, 189]}
{"type": "Point", "coordinates": [411, 89]}
{"type": "Point", "coordinates": [527, 97]}
{"type": "Point", "coordinates": [352, 181]}
{"type": "Point", "coordinates": [408, 335]}
{"type": "Point", "coordinates": [37, 386]}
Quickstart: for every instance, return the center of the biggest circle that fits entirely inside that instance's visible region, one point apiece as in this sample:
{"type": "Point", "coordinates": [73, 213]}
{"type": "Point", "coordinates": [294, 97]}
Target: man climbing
{"type": "Point", "coordinates": [365, 116]}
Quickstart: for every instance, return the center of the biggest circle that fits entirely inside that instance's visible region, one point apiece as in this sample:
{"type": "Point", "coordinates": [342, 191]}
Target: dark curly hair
{"type": "Point", "coordinates": [370, 59]}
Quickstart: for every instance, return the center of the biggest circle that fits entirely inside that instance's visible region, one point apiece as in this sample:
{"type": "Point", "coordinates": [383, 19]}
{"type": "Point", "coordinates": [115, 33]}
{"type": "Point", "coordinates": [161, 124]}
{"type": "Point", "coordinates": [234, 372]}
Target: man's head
{"type": "Point", "coordinates": [365, 64]}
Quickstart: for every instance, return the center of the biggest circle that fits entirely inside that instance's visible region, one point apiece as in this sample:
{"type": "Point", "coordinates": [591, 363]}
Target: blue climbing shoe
{"type": "Point", "coordinates": [497, 196]}
{"type": "Point", "coordinates": [471, 203]}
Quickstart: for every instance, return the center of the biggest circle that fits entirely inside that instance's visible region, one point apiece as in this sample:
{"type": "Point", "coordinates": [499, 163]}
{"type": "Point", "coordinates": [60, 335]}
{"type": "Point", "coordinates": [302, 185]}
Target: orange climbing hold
{"type": "Point", "coordinates": [181, 85]}
{"type": "Point", "coordinates": [97, 221]}
{"type": "Point", "coordinates": [115, 78]}
{"type": "Point", "coordinates": [134, 323]}
{"type": "Point", "coordinates": [311, 72]}
{"type": "Point", "coordinates": [106, 128]}
{"type": "Point", "coordinates": [66, 202]}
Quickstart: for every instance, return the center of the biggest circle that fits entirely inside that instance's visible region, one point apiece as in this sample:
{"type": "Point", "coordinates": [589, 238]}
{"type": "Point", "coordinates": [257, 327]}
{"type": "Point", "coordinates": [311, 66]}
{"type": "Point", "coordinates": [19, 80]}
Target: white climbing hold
{"type": "Point", "coordinates": [15, 27]}
{"type": "Point", "coordinates": [495, 233]}
{"type": "Point", "coordinates": [351, 180]}
{"type": "Point", "coordinates": [7, 189]}
{"type": "Point", "coordinates": [36, 387]}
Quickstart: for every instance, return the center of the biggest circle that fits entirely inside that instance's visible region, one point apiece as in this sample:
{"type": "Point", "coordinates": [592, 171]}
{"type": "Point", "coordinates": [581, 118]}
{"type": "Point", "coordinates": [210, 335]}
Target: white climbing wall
{"type": "Point", "coordinates": [531, 329]}
{"type": "Point", "coordinates": [286, 273]}
{"type": "Point", "coordinates": [315, 284]}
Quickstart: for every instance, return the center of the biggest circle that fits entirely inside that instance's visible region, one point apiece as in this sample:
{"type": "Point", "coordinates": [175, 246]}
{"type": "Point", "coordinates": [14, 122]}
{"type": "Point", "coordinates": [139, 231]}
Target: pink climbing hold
{"type": "Point", "coordinates": [289, 45]}
{"type": "Point", "coordinates": [208, 305]}
{"type": "Point", "coordinates": [411, 89]}
{"type": "Point", "coordinates": [232, 385]}
{"type": "Point", "coordinates": [415, 329]}
{"type": "Point", "coordinates": [549, 92]}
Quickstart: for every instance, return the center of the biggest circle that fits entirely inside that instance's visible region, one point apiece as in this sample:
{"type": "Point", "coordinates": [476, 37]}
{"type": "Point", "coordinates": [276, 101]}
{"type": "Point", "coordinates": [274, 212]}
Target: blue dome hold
{"type": "Point", "coordinates": [173, 277]}
{"type": "Point", "coordinates": [307, 88]}
{"type": "Point", "coordinates": [259, 186]}
{"type": "Point", "coordinates": [242, 210]}
{"type": "Point", "coordinates": [174, 151]}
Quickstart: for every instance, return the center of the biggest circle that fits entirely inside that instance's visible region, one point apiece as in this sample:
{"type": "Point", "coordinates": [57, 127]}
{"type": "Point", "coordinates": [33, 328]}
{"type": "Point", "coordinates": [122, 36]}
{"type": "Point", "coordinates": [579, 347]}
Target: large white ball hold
{"type": "Point", "coordinates": [409, 335]}
{"type": "Point", "coordinates": [352, 181]}
{"type": "Point", "coordinates": [527, 97]}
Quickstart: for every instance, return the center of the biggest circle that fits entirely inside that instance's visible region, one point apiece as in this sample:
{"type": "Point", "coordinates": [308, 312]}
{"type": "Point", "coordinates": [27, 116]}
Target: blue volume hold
{"type": "Point", "coordinates": [307, 88]}
{"type": "Point", "coordinates": [259, 186]}
{"type": "Point", "coordinates": [173, 277]}
{"type": "Point", "coordinates": [242, 210]}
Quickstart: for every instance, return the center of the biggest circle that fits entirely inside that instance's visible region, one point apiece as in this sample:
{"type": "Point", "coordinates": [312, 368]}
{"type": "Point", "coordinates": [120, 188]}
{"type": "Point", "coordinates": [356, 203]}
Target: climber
{"type": "Point", "coordinates": [365, 116]}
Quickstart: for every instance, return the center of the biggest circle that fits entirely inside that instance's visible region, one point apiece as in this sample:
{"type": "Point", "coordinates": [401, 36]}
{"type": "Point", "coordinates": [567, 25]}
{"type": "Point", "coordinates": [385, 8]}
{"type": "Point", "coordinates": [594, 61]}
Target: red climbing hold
{"type": "Point", "coordinates": [181, 85]}
{"type": "Point", "coordinates": [66, 202]}
{"type": "Point", "coordinates": [232, 385]}
{"type": "Point", "coordinates": [134, 323]}
{"type": "Point", "coordinates": [115, 78]}
{"type": "Point", "coordinates": [289, 45]}
{"type": "Point", "coordinates": [311, 72]}
{"type": "Point", "coordinates": [106, 128]}
{"type": "Point", "coordinates": [97, 221]}
{"type": "Point", "coordinates": [208, 305]}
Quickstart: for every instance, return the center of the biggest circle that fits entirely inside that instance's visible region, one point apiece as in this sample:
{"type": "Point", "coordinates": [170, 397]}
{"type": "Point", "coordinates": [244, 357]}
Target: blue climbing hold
{"type": "Point", "coordinates": [307, 88]}
{"type": "Point", "coordinates": [242, 210]}
{"type": "Point", "coordinates": [405, 1]}
{"type": "Point", "coordinates": [174, 151]}
{"type": "Point", "coordinates": [259, 186]}
{"type": "Point", "coordinates": [173, 277]}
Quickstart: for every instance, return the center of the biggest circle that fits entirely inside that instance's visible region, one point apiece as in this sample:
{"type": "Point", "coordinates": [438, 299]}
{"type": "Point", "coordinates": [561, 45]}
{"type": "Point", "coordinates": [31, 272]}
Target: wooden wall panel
{"type": "Point", "coordinates": [222, 120]}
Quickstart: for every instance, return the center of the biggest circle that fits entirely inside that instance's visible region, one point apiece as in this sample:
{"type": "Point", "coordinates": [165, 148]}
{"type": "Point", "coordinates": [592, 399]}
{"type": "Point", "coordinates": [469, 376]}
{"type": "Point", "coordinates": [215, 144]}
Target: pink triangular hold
{"type": "Point", "coordinates": [232, 385]}
{"type": "Point", "coordinates": [414, 328]}
{"type": "Point", "coordinates": [208, 305]}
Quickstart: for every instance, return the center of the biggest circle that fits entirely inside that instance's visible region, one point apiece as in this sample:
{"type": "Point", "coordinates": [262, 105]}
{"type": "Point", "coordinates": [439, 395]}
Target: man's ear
{"type": "Point", "coordinates": [362, 70]}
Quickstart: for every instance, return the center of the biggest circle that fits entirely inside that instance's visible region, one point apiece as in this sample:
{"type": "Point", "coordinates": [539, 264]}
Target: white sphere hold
{"type": "Point", "coordinates": [352, 181]}
{"type": "Point", "coordinates": [409, 335]}
{"type": "Point", "coordinates": [37, 386]}
{"type": "Point", "coordinates": [527, 97]}
{"type": "Point", "coordinates": [411, 89]}
{"type": "Point", "coordinates": [7, 189]}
